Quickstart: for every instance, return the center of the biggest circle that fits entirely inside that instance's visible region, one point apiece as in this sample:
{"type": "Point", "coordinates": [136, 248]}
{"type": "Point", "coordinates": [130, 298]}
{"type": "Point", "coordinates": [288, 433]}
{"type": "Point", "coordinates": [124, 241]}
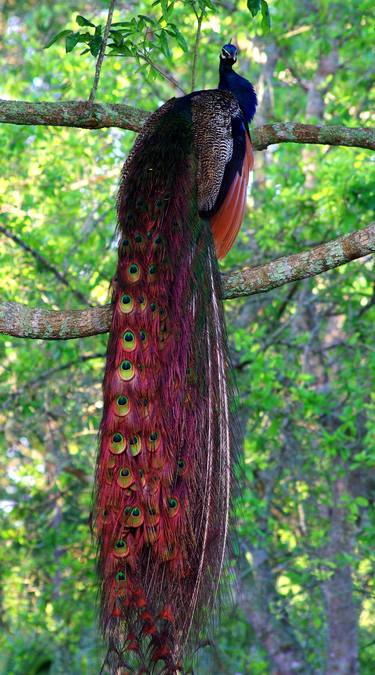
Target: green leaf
{"type": "Point", "coordinates": [266, 19]}
{"type": "Point", "coordinates": [117, 38]}
{"type": "Point", "coordinates": [254, 6]}
{"type": "Point", "coordinates": [164, 45]}
{"type": "Point", "coordinates": [84, 22]}
{"type": "Point", "coordinates": [63, 33]}
{"type": "Point", "coordinates": [71, 41]}
{"type": "Point", "coordinates": [179, 37]}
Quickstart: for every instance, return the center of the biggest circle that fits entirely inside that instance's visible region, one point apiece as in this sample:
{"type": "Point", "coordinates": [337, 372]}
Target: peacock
{"type": "Point", "coordinates": [164, 468]}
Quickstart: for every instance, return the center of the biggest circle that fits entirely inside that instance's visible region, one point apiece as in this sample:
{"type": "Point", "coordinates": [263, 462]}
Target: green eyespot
{"type": "Point", "coordinates": [134, 518]}
{"type": "Point", "coordinates": [173, 507]}
{"type": "Point", "coordinates": [122, 405]}
{"type": "Point", "coordinates": [126, 370]}
{"type": "Point", "coordinates": [138, 238]}
{"type": "Point", "coordinates": [121, 549]}
{"type": "Point", "coordinates": [153, 441]}
{"type": "Point", "coordinates": [133, 273]}
{"type": "Point", "coordinates": [120, 576]}
{"type": "Point", "coordinates": [135, 445]}
{"type": "Point", "coordinates": [181, 467]}
{"type": "Point", "coordinates": [125, 478]}
{"type": "Point", "coordinates": [117, 444]}
{"type": "Point", "coordinates": [126, 303]}
{"type": "Point", "coordinates": [129, 342]}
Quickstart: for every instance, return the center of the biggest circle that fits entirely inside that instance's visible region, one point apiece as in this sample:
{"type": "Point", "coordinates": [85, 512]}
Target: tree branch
{"type": "Point", "coordinates": [100, 60]}
{"type": "Point", "coordinates": [101, 115]}
{"type": "Point", "coordinates": [21, 321]}
{"type": "Point", "coordinates": [200, 18]}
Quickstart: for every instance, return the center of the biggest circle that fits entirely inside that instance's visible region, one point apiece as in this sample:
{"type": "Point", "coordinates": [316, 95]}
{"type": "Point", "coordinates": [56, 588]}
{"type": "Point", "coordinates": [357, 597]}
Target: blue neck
{"type": "Point", "coordinates": [240, 88]}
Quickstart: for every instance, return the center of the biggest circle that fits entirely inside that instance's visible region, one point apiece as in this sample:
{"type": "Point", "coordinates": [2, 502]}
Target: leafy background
{"type": "Point", "coordinates": [303, 354]}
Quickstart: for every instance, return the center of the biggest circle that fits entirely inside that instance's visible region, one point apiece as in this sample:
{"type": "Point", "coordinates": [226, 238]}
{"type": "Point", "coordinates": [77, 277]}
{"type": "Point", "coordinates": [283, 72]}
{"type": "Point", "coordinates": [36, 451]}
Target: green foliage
{"type": "Point", "coordinates": [303, 354]}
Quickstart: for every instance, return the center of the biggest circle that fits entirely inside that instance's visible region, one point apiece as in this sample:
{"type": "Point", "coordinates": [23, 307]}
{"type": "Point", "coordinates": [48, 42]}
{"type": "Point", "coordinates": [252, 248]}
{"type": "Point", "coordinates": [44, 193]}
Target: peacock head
{"type": "Point", "coordinates": [229, 54]}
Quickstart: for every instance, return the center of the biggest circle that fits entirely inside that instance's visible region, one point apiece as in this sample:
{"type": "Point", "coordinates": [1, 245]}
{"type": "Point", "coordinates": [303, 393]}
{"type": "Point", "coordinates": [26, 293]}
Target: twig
{"type": "Point", "coordinates": [47, 374]}
{"type": "Point", "coordinates": [196, 48]}
{"type": "Point", "coordinates": [21, 321]}
{"type": "Point", "coordinates": [47, 265]}
{"type": "Point", "coordinates": [163, 73]}
{"type": "Point", "coordinates": [99, 62]}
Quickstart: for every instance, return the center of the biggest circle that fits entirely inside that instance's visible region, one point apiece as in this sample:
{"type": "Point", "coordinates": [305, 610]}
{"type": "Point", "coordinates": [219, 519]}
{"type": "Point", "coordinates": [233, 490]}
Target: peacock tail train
{"type": "Point", "coordinates": [164, 465]}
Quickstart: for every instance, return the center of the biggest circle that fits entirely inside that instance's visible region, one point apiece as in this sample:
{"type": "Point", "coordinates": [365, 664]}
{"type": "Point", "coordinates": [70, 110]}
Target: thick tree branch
{"type": "Point", "coordinates": [100, 115]}
{"type": "Point", "coordinates": [21, 321]}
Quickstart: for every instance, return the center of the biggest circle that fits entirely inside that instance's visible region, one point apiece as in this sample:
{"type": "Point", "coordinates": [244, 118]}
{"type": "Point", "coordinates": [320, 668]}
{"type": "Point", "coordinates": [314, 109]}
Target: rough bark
{"type": "Point", "coordinates": [101, 115]}
{"type": "Point", "coordinates": [21, 321]}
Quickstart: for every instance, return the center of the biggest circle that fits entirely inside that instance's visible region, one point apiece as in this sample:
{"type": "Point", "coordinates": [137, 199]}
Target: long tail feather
{"type": "Point", "coordinates": [163, 472]}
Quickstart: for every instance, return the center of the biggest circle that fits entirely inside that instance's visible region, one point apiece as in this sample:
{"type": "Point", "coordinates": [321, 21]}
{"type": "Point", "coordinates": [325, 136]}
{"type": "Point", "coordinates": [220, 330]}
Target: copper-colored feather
{"type": "Point", "coordinates": [228, 219]}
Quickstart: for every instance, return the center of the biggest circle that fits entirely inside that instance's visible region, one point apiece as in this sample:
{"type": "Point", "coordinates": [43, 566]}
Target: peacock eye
{"type": "Point", "coordinates": [126, 303]}
{"type": "Point", "coordinates": [117, 443]}
{"type": "Point", "coordinates": [153, 436]}
{"type": "Point", "coordinates": [120, 576]}
{"type": "Point", "coordinates": [122, 406]}
{"type": "Point", "coordinates": [135, 445]}
{"type": "Point", "coordinates": [125, 478]}
{"type": "Point", "coordinates": [181, 464]}
{"type": "Point", "coordinates": [134, 518]}
{"type": "Point", "coordinates": [173, 506]}
{"type": "Point", "coordinates": [152, 269]}
{"type": "Point", "coordinates": [121, 549]}
{"type": "Point", "coordinates": [138, 238]}
{"type": "Point", "coordinates": [158, 240]}
{"type": "Point", "coordinates": [127, 510]}
{"type": "Point", "coordinates": [126, 370]}
{"type": "Point", "coordinates": [153, 307]}
{"type": "Point", "coordinates": [129, 341]}
{"type": "Point", "coordinates": [143, 337]}
{"type": "Point", "coordinates": [134, 272]}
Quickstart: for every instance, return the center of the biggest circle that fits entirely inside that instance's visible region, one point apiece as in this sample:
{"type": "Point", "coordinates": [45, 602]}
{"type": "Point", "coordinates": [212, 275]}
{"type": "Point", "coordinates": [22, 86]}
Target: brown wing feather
{"type": "Point", "coordinates": [228, 219]}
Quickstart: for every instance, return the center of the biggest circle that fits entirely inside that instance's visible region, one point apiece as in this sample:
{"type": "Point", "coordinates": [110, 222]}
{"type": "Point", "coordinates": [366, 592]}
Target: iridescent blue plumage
{"type": "Point", "coordinates": [231, 81]}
